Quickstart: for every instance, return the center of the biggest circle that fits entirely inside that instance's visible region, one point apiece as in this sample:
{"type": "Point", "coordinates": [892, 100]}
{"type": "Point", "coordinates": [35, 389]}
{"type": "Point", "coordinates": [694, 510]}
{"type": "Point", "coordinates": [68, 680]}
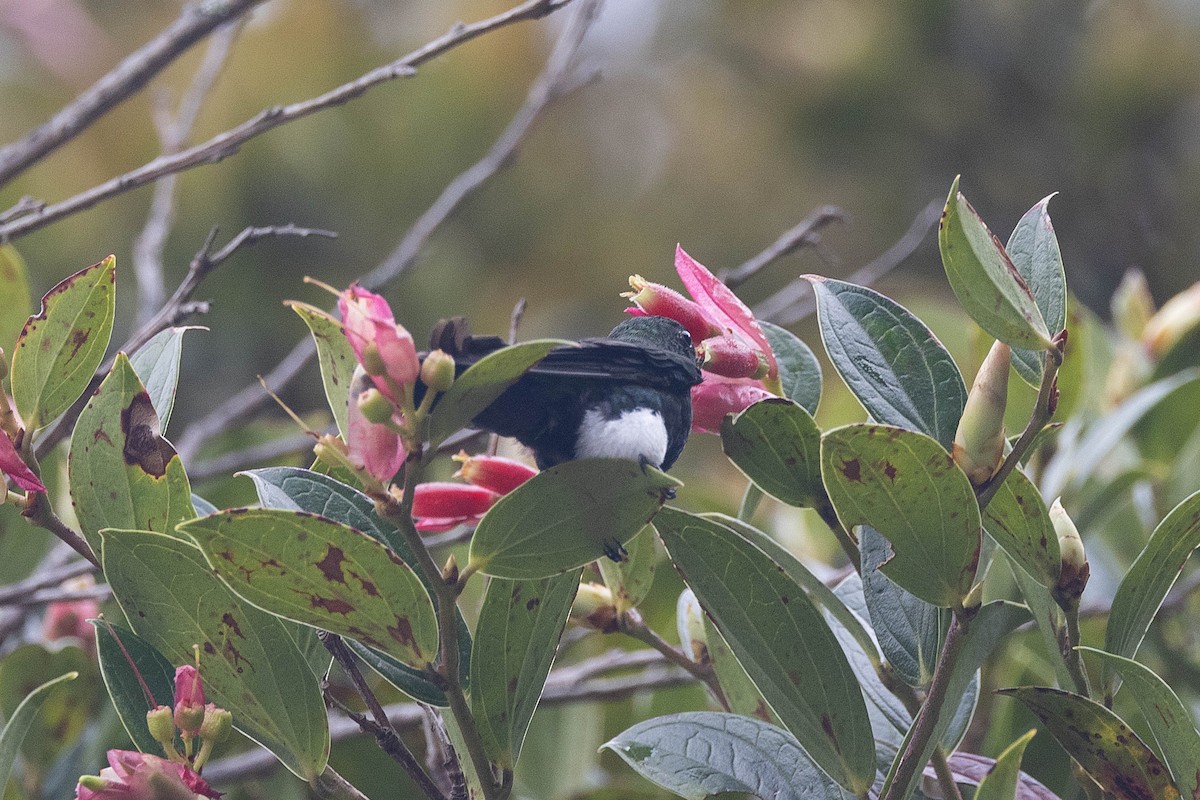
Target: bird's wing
{"type": "Point", "coordinates": [620, 362]}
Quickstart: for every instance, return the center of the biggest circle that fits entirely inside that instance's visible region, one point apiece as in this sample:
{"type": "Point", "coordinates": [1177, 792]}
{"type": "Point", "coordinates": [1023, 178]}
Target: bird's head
{"type": "Point", "coordinates": [658, 332]}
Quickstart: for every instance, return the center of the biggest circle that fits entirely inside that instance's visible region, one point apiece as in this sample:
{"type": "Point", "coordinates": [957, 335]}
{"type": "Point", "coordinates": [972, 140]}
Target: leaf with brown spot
{"type": "Point", "coordinates": [122, 473]}
{"type": "Point", "coordinates": [517, 637]}
{"type": "Point", "coordinates": [295, 565]}
{"type": "Point", "coordinates": [905, 485]}
{"type": "Point", "coordinates": [1101, 742]}
{"type": "Point", "coordinates": [1017, 519]}
{"type": "Point", "coordinates": [62, 345]}
{"type": "Point", "coordinates": [776, 444]}
{"type": "Point", "coordinates": [335, 356]}
{"type": "Point", "coordinates": [251, 664]}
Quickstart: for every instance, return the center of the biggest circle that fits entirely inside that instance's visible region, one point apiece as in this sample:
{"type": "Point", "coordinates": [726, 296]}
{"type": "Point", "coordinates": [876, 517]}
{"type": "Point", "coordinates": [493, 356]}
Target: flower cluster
{"type": "Point", "coordinates": [739, 365]}
{"type": "Point", "coordinates": [131, 775]}
{"type": "Point", "coordinates": [442, 505]}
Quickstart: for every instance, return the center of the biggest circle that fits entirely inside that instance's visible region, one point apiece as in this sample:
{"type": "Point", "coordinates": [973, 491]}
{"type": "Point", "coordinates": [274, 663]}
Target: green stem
{"type": "Point", "coordinates": [40, 513]}
{"type": "Point", "coordinates": [908, 696]}
{"type": "Point", "coordinates": [631, 624]}
{"type": "Point", "coordinates": [1071, 656]}
{"type": "Point", "coordinates": [400, 513]}
{"type": "Point", "coordinates": [750, 502]}
{"type": "Point", "coordinates": [848, 543]}
{"type": "Point", "coordinates": [926, 721]}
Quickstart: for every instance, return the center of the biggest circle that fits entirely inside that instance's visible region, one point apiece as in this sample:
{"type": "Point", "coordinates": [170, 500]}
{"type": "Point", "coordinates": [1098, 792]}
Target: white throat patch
{"type": "Point", "coordinates": [634, 435]}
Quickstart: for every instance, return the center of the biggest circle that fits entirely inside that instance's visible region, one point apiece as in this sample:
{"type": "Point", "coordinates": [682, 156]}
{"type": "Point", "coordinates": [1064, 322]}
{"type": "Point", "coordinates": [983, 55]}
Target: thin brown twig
{"type": "Point", "coordinates": [806, 233]}
{"type": "Point", "coordinates": [44, 580]}
{"type": "Point", "coordinates": [794, 301]}
{"type": "Point", "coordinates": [195, 22]}
{"type": "Point", "coordinates": [229, 142]}
{"type": "Point", "coordinates": [552, 84]}
{"type": "Point", "coordinates": [173, 132]}
{"type": "Point", "coordinates": [177, 308]}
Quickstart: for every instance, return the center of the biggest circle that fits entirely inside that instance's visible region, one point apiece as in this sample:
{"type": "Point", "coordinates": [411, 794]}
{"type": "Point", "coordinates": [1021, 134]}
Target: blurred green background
{"type": "Point", "coordinates": [717, 125]}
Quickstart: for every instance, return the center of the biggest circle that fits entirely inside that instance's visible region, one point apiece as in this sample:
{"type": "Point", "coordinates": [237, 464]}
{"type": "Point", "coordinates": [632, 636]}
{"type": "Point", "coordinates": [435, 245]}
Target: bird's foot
{"type": "Point", "coordinates": [615, 550]}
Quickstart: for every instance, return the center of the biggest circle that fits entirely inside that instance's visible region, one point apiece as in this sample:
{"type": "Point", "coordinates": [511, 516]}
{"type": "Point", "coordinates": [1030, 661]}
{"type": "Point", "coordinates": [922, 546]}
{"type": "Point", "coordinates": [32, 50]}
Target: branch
{"type": "Point", "coordinates": [807, 233]}
{"type": "Point", "coordinates": [794, 302]}
{"type": "Point", "coordinates": [229, 142]}
{"type": "Point", "coordinates": [52, 577]}
{"type": "Point", "coordinates": [196, 22]}
{"type": "Point", "coordinates": [173, 132]}
{"type": "Point", "coordinates": [548, 86]}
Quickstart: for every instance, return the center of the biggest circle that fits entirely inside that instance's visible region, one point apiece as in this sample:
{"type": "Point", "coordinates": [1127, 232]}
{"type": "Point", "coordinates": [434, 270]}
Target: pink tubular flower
{"type": "Point", "coordinates": [496, 473]}
{"type": "Point", "coordinates": [384, 348]}
{"type": "Point", "coordinates": [440, 506]}
{"type": "Point", "coordinates": [717, 397]}
{"type": "Point", "coordinates": [730, 357]}
{"type": "Point", "coordinates": [656, 300]}
{"type": "Point", "coordinates": [374, 448]}
{"type": "Point", "coordinates": [189, 699]}
{"type": "Point", "coordinates": [138, 776]}
{"type": "Point", "coordinates": [12, 465]}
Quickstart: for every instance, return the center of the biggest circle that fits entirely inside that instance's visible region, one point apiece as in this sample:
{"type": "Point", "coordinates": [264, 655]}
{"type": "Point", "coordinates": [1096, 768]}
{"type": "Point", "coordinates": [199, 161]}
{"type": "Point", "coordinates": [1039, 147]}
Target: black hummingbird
{"type": "Point", "coordinates": [626, 395]}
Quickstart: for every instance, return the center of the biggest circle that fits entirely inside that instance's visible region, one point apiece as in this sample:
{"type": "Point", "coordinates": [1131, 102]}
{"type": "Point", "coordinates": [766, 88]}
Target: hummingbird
{"type": "Point", "coordinates": [626, 395]}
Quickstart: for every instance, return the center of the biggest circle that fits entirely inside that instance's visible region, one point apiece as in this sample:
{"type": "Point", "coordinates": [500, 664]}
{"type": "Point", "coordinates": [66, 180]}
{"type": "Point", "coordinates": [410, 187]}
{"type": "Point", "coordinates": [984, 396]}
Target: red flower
{"type": "Point", "coordinates": [139, 776]}
{"type": "Point", "coordinates": [716, 397]}
{"type": "Point", "coordinates": [440, 506]}
{"type": "Point", "coordinates": [497, 473]}
{"type": "Point", "coordinates": [385, 349]}
{"type": "Point", "coordinates": [12, 465]}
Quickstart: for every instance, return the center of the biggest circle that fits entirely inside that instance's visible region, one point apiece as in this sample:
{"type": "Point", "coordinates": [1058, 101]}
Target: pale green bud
{"type": "Point", "coordinates": [689, 618]}
{"type": "Point", "coordinates": [1132, 306]}
{"type": "Point", "coordinates": [979, 440]}
{"type": "Point", "coordinates": [1074, 573]}
{"type": "Point", "coordinates": [375, 406]}
{"type": "Point", "coordinates": [594, 608]}
{"type": "Point", "coordinates": [437, 370]}
{"type": "Point", "coordinates": [161, 722]}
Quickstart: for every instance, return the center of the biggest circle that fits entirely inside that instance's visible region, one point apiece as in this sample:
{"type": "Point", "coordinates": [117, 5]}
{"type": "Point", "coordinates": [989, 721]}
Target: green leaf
{"type": "Point", "coordinates": [21, 720]}
{"type": "Point", "coordinates": [123, 474]}
{"type": "Point", "coordinates": [66, 711]}
{"type": "Point", "coordinates": [14, 288]}
{"type": "Point", "coordinates": [799, 370]}
{"type": "Point", "coordinates": [1001, 781]}
{"type": "Point", "coordinates": [781, 640]}
{"type": "Point", "coordinates": [335, 356]}
{"type": "Point", "coordinates": [62, 345]}
{"type": "Point", "coordinates": [568, 515]}
{"type": "Point", "coordinates": [987, 629]}
{"type": "Point", "coordinates": [413, 682]}
{"type": "Point", "coordinates": [908, 628]}
{"type": "Point", "coordinates": [295, 489]}
{"type": "Point", "coordinates": [321, 573]}
{"type": "Point", "coordinates": [1168, 719]}
{"type": "Point", "coordinates": [1049, 619]}
{"type": "Point", "coordinates": [519, 628]}
{"type": "Point", "coordinates": [1148, 580]}
{"type": "Point", "coordinates": [971, 769]}
{"type": "Point", "coordinates": [776, 444]}
{"type": "Point", "coordinates": [123, 657]}
{"type": "Point", "coordinates": [630, 579]}
{"type": "Point", "coordinates": [1100, 741]}
{"type": "Point", "coordinates": [740, 692]}
{"type": "Point", "coordinates": [1017, 519]}
{"type": "Point", "coordinates": [889, 359]}
{"type": "Point", "coordinates": [157, 365]}
{"type": "Point", "coordinates": [985, 280]}
{"type": "Point", "coordinates": [699, 754]}
{"type": "Point", "coordinates": [475, 389]}
{"type": "Point", "coordinates": [1033, 248]}
{"type": "Point", "coordinates": [905, 485]}
{"type": "Point", "coordinates": [249, 661]}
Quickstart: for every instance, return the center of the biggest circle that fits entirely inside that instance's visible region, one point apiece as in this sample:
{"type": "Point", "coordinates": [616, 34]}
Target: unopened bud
{"type": "Point", "coordinates": [497, 473]}
{"type": "Point", "coordinates": [437, 370]}
{"type": "Point", "coordinates": [979, 440]}
{"type": "Point", "coordinates": [189, 699]}
{"type": "Point", "coordinates": [450, 571]}
{"type": "Point", "coordinates": [375, 407]}
{"type": "Point", "coordinates": [657, 300]}
{"type": "Point", "coordinates": [594, 608]}
{"type": "Point", "coordinates": [1074, 572]}
{"type": "Point", "coordinates": [372, 360]}
{"type": "Point", "coordinates": [732, 358]}
{"type": "Point", "coordinates": [974, 598]}
{"type": "Point", "coordinates": [689, 618]}
{"type": "Point", "coordinates": [332, 452]}
{"type": "Point", "coordinates": [1132, 306]}
{"type": "Point", "coordinates": [216, 725]}
{"type": "Point", "coordinates": [161, 722]}
{"type": "Point", "coordinates": [1178, 317]}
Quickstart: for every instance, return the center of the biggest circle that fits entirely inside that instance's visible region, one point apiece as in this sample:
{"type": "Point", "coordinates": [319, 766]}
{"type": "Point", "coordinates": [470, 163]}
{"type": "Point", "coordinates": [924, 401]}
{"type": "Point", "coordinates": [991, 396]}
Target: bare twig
{"type": "Point", "coordinates": [44, 579]}
{"type": "Point", "coordinates": [22, 207]}
{"type": "Point", "coordinates": [550, 85]}
{"type": "Point", "coordinates": [45, 596]}
{"type": "Point", "coordinates": [794, 301]}
{"type": "Point", "coordinates": [41, 513]}
{"type": "Point", "coordinates": [173, 131]}
{"type": "Point", "coordinates": [405, 716]}
{"type": "Point", "coordinates": [177, 308]}
{"type": "Point", "coordinates": [196, 22]}
{"type": "Point", "coordinates": [229, 142]}
{"type": "Point", "coordinates": [806, 233]}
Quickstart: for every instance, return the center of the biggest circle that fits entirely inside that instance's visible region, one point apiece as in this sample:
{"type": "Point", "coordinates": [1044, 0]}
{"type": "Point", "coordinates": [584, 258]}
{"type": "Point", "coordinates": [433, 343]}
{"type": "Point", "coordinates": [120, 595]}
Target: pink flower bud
{"type": "Point", "coordinates": [385, 349]}
{"type": "Point", "coordinates": [12, 465]}
{"type": "Point", "coordinates": [732, 358]}
{"type": "Point", "coordinates": [373, 448]}
{"type": "Point", "coordinates": [716, 397]}
{"type": "Point", "coordinates": [444, 500]}
{"type": "Point", "coordinates": [657, 300]}
{"type": "Point", "coordinates": [496, 473]}
{"type": "Point", "coordinates": [189, 700]}
{"type": "Point", "coordinates": [131, 775]}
